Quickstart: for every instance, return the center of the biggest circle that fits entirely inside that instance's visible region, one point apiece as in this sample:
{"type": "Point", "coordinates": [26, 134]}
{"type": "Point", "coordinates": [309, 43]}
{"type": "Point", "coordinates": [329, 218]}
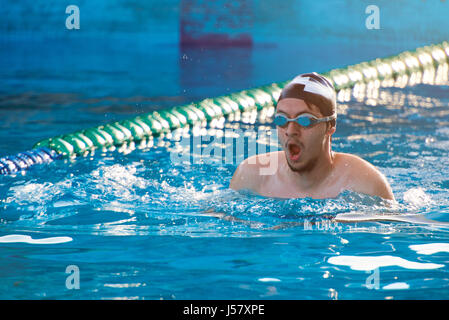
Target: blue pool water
{"type": "Point", "coordinates": [145, 225]}
{"type": "Point", "coordinates": [160, 222]}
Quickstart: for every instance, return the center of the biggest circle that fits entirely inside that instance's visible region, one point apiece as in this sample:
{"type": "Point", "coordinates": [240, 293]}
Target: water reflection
{"type": "Point", "coordinates": [209, 71]}
{"type": "Point", "coordinates": [372, 93]}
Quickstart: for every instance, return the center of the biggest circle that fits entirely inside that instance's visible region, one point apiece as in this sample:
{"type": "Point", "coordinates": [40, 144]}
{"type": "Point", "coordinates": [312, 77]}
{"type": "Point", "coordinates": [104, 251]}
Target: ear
{"type": "Point", "coordinates": [331, 130]}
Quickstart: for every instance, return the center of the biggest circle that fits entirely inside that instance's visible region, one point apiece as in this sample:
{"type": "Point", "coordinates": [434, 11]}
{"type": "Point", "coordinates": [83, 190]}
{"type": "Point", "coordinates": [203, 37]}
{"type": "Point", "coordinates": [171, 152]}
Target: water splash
{"type": "Point", "coordinates": [417, 197]}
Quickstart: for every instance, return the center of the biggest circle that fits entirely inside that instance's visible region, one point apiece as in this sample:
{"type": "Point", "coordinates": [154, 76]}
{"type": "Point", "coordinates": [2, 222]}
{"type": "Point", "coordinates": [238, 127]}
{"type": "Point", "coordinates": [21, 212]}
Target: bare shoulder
{"type": "Point", "coordinates": [361, 176]}
{"type": "Point", "coordinates": [248, 173]}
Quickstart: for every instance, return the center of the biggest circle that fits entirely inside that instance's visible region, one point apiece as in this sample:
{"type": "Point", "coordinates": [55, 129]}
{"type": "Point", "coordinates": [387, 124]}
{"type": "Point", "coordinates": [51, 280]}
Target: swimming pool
{"type": "Point", "coordinates": [138, 225]}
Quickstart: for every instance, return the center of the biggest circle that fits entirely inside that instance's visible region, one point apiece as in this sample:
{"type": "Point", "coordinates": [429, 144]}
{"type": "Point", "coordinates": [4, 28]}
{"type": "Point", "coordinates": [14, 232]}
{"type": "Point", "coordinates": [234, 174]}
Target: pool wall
{"type": "Point", "coordinates": [123, 47]}
{"type": "Point", "coordinates": [408, 24]}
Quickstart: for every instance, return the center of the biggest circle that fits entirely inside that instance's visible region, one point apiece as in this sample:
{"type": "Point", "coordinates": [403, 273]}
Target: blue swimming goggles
{"type": "Point", "coordinates": [305, 120]}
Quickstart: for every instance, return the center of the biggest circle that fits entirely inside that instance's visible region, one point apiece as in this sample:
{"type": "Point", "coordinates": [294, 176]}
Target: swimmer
{"type": "Point", "coordinates": [307, 167]}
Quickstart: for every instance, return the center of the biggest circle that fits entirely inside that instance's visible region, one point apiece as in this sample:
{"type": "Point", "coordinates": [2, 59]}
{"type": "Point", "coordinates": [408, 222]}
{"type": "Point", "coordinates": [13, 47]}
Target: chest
{"type": "Point", "coordinates": [273, 186]}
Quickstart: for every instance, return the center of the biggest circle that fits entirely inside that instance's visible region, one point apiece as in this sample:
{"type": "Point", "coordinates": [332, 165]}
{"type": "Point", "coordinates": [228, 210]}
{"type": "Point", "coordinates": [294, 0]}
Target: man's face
{"type": "Point", "coordinates": [302, 146]}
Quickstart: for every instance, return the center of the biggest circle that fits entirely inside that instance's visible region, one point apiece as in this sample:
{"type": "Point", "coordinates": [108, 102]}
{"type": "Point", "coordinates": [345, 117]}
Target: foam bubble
{"type": "Point", "coordinates": [12, 238]}
{"type": "Point", "coordinates": [367, 263]}
{"type": "Point", "coordinates": [417, 197]}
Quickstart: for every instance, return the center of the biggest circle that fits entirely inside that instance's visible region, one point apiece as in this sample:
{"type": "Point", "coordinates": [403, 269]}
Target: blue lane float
{"type": "Point", "coordinates": [24, 160]}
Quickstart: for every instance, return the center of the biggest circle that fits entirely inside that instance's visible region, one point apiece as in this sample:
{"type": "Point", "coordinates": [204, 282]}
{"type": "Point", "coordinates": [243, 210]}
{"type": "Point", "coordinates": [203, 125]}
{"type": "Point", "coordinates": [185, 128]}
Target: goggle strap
{"type": "Point", "coordinates": [329, 118]}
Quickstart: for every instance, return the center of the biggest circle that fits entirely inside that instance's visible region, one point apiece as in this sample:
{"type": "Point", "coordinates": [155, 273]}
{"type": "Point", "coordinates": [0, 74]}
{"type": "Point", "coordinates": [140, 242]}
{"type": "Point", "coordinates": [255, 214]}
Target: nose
{"type": "Point", "coordinates": [292, 129]}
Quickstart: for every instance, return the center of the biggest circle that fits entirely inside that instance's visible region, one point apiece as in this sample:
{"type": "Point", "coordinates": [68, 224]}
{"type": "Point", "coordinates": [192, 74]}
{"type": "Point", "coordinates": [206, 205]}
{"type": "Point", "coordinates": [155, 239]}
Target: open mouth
{"type": "Point", "coordinates": [294, 151]}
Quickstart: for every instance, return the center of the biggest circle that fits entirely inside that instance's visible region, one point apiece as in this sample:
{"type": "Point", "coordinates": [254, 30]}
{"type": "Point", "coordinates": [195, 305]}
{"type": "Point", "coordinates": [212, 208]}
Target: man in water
{"type": "Point", "coordinates": [307, 167]}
